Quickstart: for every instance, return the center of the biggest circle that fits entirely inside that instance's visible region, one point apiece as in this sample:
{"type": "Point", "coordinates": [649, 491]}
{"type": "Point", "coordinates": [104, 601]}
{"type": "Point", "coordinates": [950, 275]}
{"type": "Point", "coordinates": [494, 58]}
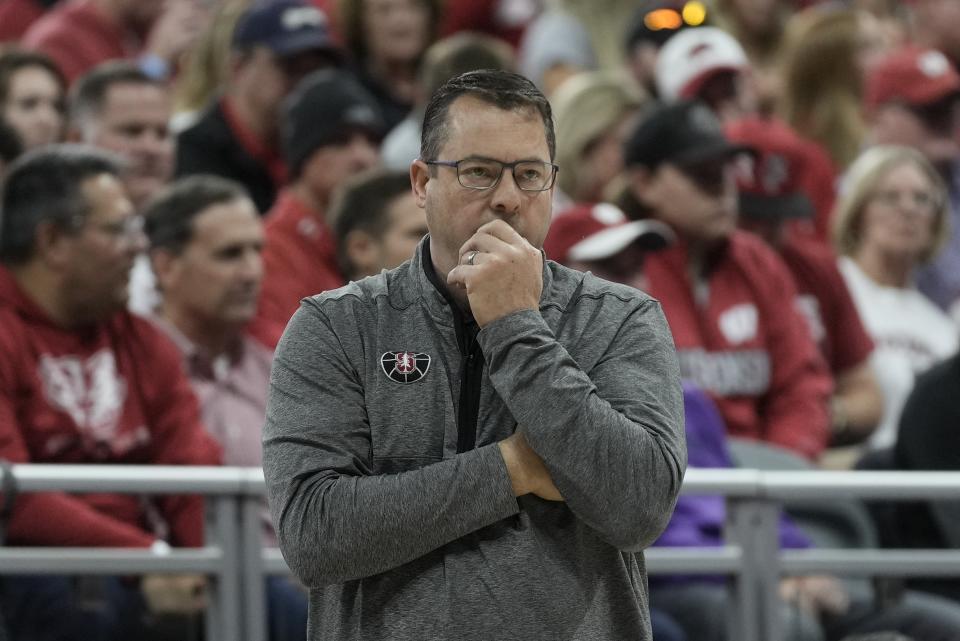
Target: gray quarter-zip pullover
{"type": "Point", "coordinates": [399, 536]}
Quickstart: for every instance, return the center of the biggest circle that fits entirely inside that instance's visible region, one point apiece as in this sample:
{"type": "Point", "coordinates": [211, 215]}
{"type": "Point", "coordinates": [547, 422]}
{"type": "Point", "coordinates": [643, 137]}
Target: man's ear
{"type": "Point", "coordinates": [419, 177]}
{"type": "Point", "coordinates": [363, 253]}
{"type": "Point", "coordinates": [638, 181]}
{"type": "Point", "coordinates": [52, 244]}
{"type": "Point", "coordinates": [166, 267]}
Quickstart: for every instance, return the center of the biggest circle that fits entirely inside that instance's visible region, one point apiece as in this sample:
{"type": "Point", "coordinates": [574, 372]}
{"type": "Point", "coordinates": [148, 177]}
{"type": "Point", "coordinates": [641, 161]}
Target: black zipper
{"type": "Point", "coordinates": [471, 361]}
{"type": "Point", "coordinates": [471, 374]}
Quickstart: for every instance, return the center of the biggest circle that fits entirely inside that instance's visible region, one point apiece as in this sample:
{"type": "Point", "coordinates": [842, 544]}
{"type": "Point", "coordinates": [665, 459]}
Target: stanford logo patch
{"type": "Point", "coordinates": [405, 367]}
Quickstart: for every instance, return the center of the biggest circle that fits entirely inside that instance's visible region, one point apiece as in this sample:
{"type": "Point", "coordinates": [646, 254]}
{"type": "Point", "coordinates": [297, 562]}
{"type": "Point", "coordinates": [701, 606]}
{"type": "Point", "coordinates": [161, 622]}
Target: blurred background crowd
{"type": "Point", "coordinates": [783, 175]}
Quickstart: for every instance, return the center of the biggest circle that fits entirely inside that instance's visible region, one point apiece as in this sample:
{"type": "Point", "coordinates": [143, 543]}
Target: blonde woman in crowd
{"type": "Point", "coordinates": [594, 112]}
{"type": "Point", "coordinates": [891, 217]}
{"type": "Point", "coordinates": [826, 53]}
{"type": "Point", "coordinates": [206, 64]}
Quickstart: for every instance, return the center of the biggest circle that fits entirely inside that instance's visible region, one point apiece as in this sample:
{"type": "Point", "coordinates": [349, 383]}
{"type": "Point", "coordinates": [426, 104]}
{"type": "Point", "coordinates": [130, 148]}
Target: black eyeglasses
{"type": "Point", "coordinates": [485, 173]}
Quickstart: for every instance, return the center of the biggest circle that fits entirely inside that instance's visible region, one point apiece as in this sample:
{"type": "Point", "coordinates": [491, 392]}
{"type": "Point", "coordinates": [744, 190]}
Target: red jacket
{"type": "Point", "coordinates": [299, 260]}
{"type": "Point", "coordinates": [79, 37]}
{"type": "Point", "coordinates": [746, 343]}
{"type": "Point", "coordinates": [109, 393]}
{"type": "Point", "coordinates": [825, 300]}
{"type": "Point", "coordinates": [16, 16]}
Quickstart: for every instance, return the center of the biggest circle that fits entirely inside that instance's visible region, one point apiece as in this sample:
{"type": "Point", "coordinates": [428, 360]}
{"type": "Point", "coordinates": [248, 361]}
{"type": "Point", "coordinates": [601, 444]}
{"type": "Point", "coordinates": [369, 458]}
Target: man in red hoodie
{"type": "Point", "coordinates": [76, 385]}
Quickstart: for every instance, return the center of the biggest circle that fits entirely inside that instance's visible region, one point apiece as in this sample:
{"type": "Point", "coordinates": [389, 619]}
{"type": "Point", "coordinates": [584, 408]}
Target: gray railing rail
{"type": "Point", "coordinates": [234, 558]}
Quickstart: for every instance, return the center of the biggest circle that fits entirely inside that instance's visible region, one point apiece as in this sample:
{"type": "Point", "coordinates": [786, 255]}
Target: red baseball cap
{"type": "Point", "coordinates": [913, 75]}
{"type": "Point", "coordinates": [771, 181]}
{"type": "Point", "coordinates": [595, 232]}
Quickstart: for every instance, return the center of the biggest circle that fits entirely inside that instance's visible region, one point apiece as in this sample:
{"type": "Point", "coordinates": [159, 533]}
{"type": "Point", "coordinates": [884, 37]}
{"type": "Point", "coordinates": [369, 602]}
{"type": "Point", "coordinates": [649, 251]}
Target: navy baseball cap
{"type": "Point", "coordinates": [679, 133]}
{"type": "Point", "coordinates": [286, 27]}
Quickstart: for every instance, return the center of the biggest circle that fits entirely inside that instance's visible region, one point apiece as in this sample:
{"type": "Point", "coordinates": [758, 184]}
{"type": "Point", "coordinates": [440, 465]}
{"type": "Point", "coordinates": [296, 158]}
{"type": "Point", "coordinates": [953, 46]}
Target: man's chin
{"type": "Point", "coordinates": [142, 188]}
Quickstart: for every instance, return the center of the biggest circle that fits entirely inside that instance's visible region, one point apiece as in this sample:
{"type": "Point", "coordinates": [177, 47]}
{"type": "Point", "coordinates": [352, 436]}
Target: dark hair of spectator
{"type": "Point", "coordinates": [15, 60]}
{"type": "Point", "coordinates": [502, 89]}
{"type": "Point", "coordinates": [45, 185]}
{"type": "Point", "coordinates": [10, 144]}
{"type": "Point", "coordinates": [168, 217]}
{"type": "Point", "coordinates": [90, 92]}
{"type": "Point", "coordinates": [363, 204]}
{"type": "Point", "coordinates": [354, 30]}
{"type": "Point", "coordinates": [460, 53]}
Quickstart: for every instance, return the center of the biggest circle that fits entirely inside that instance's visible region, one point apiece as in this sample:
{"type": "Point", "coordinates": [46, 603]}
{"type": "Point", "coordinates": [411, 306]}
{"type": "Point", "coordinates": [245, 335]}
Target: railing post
{"type": "Point", "coordinates": [755, 613]}
{"type": "Point", "coordinates": [251, 550]}
{"type": "Point", "coordinates": [223, 612]}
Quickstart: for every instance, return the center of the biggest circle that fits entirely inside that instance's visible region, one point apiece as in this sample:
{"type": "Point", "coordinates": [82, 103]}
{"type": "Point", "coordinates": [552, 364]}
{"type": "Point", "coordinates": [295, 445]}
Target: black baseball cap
{"type": "Point", "coordinates": [681, 133]}
{"type": "Point", "coordinates": [286, 27]}
{"type": "Point", "coordinates": [326, 106]}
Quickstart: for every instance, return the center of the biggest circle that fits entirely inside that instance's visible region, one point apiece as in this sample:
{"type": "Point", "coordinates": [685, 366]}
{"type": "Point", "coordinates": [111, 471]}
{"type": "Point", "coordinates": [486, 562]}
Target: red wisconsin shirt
{"type": "Point", "coordinates": [742, 339]}
{"type": "Point", "coordinates": [78, 37]}
{"type": "Point", "coordinates": [114, 393]}
{"type": "Point", "coordinates": [299, 260]}
{"type": "Point", "coordinates": [825, 301]}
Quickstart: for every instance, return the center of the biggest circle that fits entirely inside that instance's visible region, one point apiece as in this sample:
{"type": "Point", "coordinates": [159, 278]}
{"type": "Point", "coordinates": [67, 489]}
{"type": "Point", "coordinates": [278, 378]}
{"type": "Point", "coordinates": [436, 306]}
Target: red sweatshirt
{"type": "Point", "coordinates": [113, 392]}
{"type": "Point", "coordinates": [299, 260]}
{"type": "Point", "coordinates": [826, 302]}
{"type": "Point", "coordinates": [746, 342]}
{"type": "Point", "coordinates": [79, 37]}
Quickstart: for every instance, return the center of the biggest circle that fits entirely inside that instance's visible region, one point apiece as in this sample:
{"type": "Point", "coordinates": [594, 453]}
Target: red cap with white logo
{"type": "Point", "coordinates": [912, 75]}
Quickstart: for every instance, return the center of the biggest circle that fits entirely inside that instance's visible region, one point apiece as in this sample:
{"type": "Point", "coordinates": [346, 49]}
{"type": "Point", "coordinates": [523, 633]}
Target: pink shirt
{"type": "Point", "coordinates": [232, 391]}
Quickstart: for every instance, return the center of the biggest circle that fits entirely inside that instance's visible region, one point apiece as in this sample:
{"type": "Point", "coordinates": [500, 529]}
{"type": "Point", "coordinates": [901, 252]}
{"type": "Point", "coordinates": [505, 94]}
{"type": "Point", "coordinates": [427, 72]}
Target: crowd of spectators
{"type": "Point", "coordinates": [783, 175]}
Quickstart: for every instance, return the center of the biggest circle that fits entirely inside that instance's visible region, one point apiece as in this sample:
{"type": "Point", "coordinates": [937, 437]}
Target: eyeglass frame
{"type": "Point", "coordinates": [928, 201]}
{"type": "Point", "coordinates": [503, 165]}
{"type": "Point", "coordinates": [120, 231]}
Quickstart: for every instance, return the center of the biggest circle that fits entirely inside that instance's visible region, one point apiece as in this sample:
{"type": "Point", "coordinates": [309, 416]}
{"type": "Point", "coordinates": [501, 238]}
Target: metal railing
{"type": "Point", "coordinates": [234, 558]}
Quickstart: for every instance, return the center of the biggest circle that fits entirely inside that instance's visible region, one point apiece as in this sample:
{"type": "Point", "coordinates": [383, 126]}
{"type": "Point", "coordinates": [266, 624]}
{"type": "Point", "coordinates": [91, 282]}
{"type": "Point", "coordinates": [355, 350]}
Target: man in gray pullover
{"type": "Point", "coordinates": [478, 444]}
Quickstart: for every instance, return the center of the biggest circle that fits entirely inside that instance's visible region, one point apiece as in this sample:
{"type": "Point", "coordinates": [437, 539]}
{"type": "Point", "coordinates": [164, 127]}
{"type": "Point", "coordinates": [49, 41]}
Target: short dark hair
{"type": "Point", "coordinates": [503, 89]}
{"type": "Point", "coordinates": [90, 91]}
{"type": "Point", "coordinates": [13, 60]}
{"type": "Point", "coordinates": [459, 53]}
{"type": "Point", "coordinates": [45, 185]}
{"type": "Point", "coordinates": [362, 203]}
{"type": "Point", "coordinates": [168, 217]}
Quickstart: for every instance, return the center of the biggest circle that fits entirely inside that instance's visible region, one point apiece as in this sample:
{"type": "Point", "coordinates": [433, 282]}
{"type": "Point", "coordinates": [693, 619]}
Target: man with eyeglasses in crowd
{"type": "Point", "coordinates": [79, 384]}
{"type": "Point", "coordinates": [480, 443]}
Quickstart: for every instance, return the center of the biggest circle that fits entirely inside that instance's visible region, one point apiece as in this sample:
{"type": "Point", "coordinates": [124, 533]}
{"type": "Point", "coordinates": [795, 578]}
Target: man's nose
{"type": "Point", "coordinates": [507, 195]}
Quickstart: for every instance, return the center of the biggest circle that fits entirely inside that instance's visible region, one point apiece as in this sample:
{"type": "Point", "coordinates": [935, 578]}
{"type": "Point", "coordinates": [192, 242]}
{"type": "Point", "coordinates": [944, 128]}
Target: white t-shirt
{"type": "Point", "coordinates": [911, 335]}
{"type": "Point", "coordinates": [144, 297]}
